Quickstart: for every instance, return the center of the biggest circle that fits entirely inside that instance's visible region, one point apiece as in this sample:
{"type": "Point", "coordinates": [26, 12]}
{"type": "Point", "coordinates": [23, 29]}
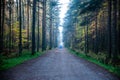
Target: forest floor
{"type": "Point", "coordinates": [57, 64]}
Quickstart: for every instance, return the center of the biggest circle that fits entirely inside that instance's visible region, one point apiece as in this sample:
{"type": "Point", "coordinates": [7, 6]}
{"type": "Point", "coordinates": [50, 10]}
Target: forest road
{"type": "Point", "coordinates": [57, 64]}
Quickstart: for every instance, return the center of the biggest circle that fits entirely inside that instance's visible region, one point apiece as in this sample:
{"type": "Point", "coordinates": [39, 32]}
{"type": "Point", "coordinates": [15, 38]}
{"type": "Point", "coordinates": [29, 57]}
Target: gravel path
{"type": "Point", "coordinates": [57, 64]}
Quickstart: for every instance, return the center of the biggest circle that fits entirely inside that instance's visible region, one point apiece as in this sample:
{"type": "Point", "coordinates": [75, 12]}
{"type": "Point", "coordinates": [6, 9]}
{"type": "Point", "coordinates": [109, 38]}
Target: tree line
{"type": "Point", "coordinates": [93, 27]}
{"type": "Point", "coordinates": [28, 25]}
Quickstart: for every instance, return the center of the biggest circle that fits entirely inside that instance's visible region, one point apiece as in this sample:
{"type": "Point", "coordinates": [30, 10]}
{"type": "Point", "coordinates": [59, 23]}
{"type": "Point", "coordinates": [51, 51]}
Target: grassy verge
{"type": "Point", "coordinates": [11, 62]}
{"type": "Point", "coordinates": [115, 70]}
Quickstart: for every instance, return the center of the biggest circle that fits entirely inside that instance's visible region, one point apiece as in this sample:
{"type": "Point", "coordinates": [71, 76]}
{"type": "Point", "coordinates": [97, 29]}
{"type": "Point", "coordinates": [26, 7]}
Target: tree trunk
{"type": "Point", "coordinates": [23, 18]}
{"type": "Point", "coordinates": [17, 10]}
{"type": "Point", "coordinates": [20, 29]}
{"type": "Point", "coordinates": [85, 50]}
{"type": "Point", "coordinates": [51, 27]}
{"type": "Point", "coordinates": [28, 2]}
{"type": "Point", "coordinates": [33, 27]}
{"type": "Point", "coordinates": [12, 22]}
{"type": "Point", "coordinates": [96, 33]}
{"type": "Point", "coordinates": [109, 28]}
{"type": "Point", "coordinates": [38, 36]}
{"type": "Point", "coordinates": [114, 31]}
{"type": "Point", "coordinates": [44, 26]}
{"type": "Point", "coordinates": [2, 14]}
{"type": "Point", "coordinates": [118, 36]}
{"type": "Point", "coordinates": [10, 25]}
{"type": "Point", "coordinates": [87, 47]}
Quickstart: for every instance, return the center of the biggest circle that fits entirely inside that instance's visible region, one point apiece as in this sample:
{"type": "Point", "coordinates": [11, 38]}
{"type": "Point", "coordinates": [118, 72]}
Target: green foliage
{"type": "Point", "coordinates": [11, 62]}
{"type": "Point", "coordinates": [1, 59]}
{"type": "Point", "coordinates": [109, 67]}
{"type": "Point", "coordinates": [54, 3]}
{"type": "Point", "coordinates": [100, 56]}
{"type": "Point", "coordinates": [15, 33]}
{"type": "Point", "coordinates": [82, 45]}
{"type": "Point", "coordinates": [91, 6]}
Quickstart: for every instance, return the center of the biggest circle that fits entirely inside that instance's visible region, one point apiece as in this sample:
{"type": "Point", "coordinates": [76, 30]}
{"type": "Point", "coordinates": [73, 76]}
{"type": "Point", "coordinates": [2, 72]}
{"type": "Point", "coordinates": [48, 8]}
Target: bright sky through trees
{"type": "Point", "coordinates": [63, 10]}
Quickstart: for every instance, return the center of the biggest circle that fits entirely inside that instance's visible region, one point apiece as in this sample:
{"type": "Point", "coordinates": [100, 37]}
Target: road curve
{"type": "Point", "coordinates": [57, 64]}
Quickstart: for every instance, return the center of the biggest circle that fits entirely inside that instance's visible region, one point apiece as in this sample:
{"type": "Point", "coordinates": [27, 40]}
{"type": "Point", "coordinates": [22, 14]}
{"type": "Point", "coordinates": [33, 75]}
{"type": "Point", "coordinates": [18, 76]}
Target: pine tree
{"type": "Point", "coordinates": [33, 27]}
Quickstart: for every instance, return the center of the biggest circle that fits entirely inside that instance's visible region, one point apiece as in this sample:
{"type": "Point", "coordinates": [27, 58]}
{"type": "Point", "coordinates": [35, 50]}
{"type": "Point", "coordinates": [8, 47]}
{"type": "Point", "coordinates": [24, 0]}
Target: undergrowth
{"type": "Point", "coordinates": [109, 67]}
{"type": "Point", "coordinates": [9, 62]}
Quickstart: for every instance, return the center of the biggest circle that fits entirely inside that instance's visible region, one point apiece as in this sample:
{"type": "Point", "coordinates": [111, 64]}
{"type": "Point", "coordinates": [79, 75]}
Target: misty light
{"type": "Point", "coordinates": [63, 10]}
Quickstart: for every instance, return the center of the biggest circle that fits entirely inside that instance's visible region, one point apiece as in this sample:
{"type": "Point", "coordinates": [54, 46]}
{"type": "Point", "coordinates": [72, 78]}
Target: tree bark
{"type": "Point", "coordinates": [10, 26]}
{"type": "Point", "coordinates": [33, 27]}
{"type": "Point", "coordinates": [118, 36]}
{"type": "Point", "coordinates": [114, 30]}
{"type": "Point", "coordinates": [2, 14]}
{"type": "Point", "coordinates": [51, 26]}
{"type": "Point", "coordinates": [109, 28]}
{"type": "Point", "coordinates": [38, 41]}
{"type": "Point", "coordinates": [28, 2]}
{"type": "Point", "coordinates": [17, 10]}
{"type": "Point", "coordinates": [20, 28]}
{"type": "Point", "coordinates": [44, 26]}
{"type": "Point", "coordinates": [23, 17]}
{"type": "Point", "coordinates": [96, 33]}
{"type": "Point", "coordinates": [87, 46]}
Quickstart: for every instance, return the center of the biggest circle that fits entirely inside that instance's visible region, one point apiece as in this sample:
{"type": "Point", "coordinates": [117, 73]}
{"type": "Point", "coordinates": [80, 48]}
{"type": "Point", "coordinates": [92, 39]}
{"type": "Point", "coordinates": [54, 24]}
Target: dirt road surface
{"type": "Point", "coordinates": [57, 64]}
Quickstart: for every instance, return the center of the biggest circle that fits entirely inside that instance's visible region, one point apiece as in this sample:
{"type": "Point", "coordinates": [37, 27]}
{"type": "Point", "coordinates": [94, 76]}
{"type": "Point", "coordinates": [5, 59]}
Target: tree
{"type": "Point", "coordinates": [33, 27]}
{"type": "Point", "coordinates": [2, 14]}
{"type": "Point", "coordinates": [109, 28]}
{"type": "Point", "coordinates": [17, 9]}
{"type": "Point", "coordinates": [118, 26]}
{"type": "Point", "coordinates": [10, 25]}
{"type": "Point", "coordinates": [44, 26]}
{"type": "Point", "coordinates": [87, 47]}
{"type": "Point", "coordinates": [114, 31]}
{"type": "Point", "coordinates": [20, 28]}
{"type": "Point", "coordinates": [23, 12]}
{"type": "Point", "coordinates": [38, 36]}
{"type": "Point", "coordinates": [28, 26]}
{"type": "Point", "coordinates": [53, 5]}
{"type": "Point", "coordinates": [51, 25]}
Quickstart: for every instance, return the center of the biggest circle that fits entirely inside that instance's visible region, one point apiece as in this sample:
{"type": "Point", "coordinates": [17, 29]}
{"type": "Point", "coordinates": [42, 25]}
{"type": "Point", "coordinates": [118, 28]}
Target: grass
{"type": "Point", "coordinates": [111, 68]}
{"type": "Point", "coordinates": [11, 62]}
